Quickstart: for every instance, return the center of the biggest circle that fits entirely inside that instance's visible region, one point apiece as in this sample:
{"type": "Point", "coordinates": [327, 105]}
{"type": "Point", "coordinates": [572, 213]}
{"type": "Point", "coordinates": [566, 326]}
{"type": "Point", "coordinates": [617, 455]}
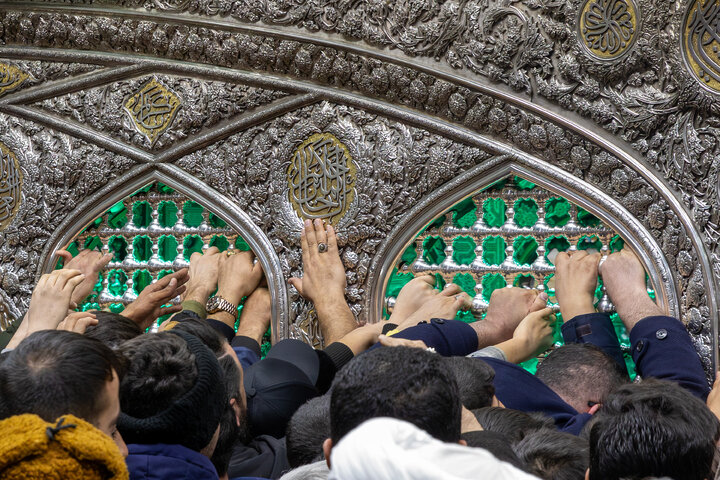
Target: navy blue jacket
{"type": "Point", "coordinates": [168, 462]}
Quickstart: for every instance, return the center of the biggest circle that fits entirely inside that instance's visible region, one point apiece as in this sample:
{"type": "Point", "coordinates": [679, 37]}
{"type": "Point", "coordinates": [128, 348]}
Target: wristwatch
{"type": "Point", "coordinates": [218, 304]}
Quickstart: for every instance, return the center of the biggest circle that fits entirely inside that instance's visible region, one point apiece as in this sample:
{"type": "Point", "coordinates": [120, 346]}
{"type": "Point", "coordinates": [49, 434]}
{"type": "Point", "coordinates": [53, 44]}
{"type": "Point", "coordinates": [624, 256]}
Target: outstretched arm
{"type": "Point", "coordinates": [575, 283]}
{"type": "Point", "coordinates": [89, 263]}
{"type": "Point", "coordinates": [323, 281]}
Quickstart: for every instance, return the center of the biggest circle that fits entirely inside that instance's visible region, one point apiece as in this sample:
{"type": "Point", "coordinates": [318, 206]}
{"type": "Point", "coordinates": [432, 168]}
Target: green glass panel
{"type": "Point", "coordinates": [465, 281]}
{"type": "Point", "coordinates": [561, 244]}
{"type": "Point", "coordinates": [464, 213]}
{"type": "Point", "coordinates": [464, 250]}
{"type": "Point", "coordinates": [73, 248]}
{"type": "Point", "coordinates": [530, 365]}
{"type": "Point", "coordinates": [490, 283]}
{"type": "Point", "coordinates": [118, 247]}
{"type": "Point", "coordinates": [117, 216]}
{"type": "Point", "coordinates": [142, 248]}
{"type": "Point", "coordinates": [142, 214]}
{"type": "Point", "coordinates": [167, 248]}
{"type": "Point", "coordinates": [116, 307]}
{"type": "Point", "coordinates": [409, 255]}
{"type": "Point", "coordinates": [524, 281]}
{"type": "Point", "coordinates": [192, 214]}
{"type": "Point", "coordinates": [94, 225]}
{"type": "Point", "coordinates": [141, 279]}
{"type": "Point", "coordinates": [397, 282]}
{"type": "Point", "coordinates": [266, 345]}
{"type": "Point", "coordinates": [549, 290]}
{"type": "Point", "coordinates": [616, 244]}
{"type": "Point", "coordinates": [525, 212]}
{"type": "Point", "coordinates": [435, 224]}
{"type": "Point", "coordinates": [466, 317]}
{"type": "Point", "coordinates": [93, 243]}
{"type": "Point", "coordinates": [439, 281]}
{"type": "Point", "coordinates": [494, 212]}
{"type": "Point", "coordinates": [587, 219]}
{"type": "Point", "coordinates": [192, 244]}
{"type": "Point", "coordinates": [165, 272]}
{"type": "Point", "coordinates": [167, 214]}
{"type": "Point", "coordinates": [98, 285]}
{"type": "Point", "coordinates": [216, 222]}
{"type": "Point", "coordinates": [523, 184]}
{"type": "Point", "coordinates": [494, 250]}
{"type": "Point", "coordinates": [143, 190]}
{"type": "Point", "coordinates": [589, 241]}
{"type": "Point", "coordinates": [241, 245]}
{"type": "Point", "coordinates": [162, 188]}
{"type": "Point", "coordinates": [117, 282]}
{"type": "Point", "coordinates": [525, 250]}
{"type": "Point", "coordinates": [86, 307]}
{"type": "Point", "coordinates": [220, 241]}
{"type": "Point", "coordinates": [557, 212]}
{"type": "Point", "coordinates": [434, 250]}
{"type": "Point", "coordinates": [162, 318]}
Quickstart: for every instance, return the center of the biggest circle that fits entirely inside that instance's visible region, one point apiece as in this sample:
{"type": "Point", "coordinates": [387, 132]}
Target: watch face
{"type": "Point", "coordinates": [213, 304]}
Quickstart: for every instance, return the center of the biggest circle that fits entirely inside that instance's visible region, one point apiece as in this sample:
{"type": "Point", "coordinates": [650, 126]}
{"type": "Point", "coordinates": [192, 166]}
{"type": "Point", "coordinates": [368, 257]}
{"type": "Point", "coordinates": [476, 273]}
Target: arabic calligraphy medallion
{"type": "Point", "coordinates": [608, 27]}
{"type": "Point", "coordinates": [10, 185]}
{"type": "Point", "coordinates": [321, 178]}
{"type": "Point", "coordinates": [11, 78]}
{"type": "Point", "coordinates": [152, 109]}
{"type": "Point", "coordinates": [701, 42]}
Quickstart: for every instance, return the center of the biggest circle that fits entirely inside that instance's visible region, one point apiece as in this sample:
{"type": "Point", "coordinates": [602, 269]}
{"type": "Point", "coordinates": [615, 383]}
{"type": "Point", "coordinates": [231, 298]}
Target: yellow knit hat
{"type": "Point", "coordinates": [31, 448]}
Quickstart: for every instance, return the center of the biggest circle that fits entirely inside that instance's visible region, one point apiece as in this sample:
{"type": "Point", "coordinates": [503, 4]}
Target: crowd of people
{"type": "Point", "coordinates": [417, 396]}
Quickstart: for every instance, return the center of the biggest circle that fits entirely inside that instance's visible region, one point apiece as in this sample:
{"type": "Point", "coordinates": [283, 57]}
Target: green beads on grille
{"type": "Point", "coordinates": [557, 212]}
{"type": "Point", "coordinates": [494, 212]}
{"type": "Point", "coordinates": [464, 250]}
{"type": "Point", "coordinates": [525, 250]}
{"type": "Point", "coordinates": [494, 250]}
{"type": "Point", "coordinates": [434, 250]}
{"type": "Point", "coordinates": [525, 212]}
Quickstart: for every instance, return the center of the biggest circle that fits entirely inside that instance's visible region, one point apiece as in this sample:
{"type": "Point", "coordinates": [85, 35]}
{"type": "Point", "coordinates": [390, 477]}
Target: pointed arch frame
{"type": "Point", "coordinates": [196, 190]}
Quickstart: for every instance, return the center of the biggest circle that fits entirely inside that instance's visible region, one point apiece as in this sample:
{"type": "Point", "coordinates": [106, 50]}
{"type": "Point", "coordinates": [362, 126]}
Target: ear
{"type": "Point", "coordinates": [236, 410]}
{"type": "Point", "coordinates": [327, 448]}
{"type": "Point", "coordinates": [587, 474]}
{"type": "Point", "coordinates": [462, 442]}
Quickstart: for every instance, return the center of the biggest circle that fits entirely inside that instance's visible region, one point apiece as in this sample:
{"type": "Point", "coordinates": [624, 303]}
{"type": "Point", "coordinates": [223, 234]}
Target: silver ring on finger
{"type": "Point", "coordinates": [322, 247]}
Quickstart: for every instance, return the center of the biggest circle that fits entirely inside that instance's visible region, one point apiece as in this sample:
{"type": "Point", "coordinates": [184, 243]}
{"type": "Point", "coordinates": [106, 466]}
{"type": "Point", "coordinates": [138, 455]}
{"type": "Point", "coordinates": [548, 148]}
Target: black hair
{"type": "Point", "coordinates": [202, 330]}
{"type": "Point", "coordinates": [553, 455]}
{"type": "Point", "coordinates": [495, 443]}
{"type": "Point", "coordinates": [514, 424]}
{"type": "Point", "coordinates": [160, 369]}
{"type": "Point", "coordinates": [409, 384]}
{"type": "Point", "coordinates": [653, 428]}
{"type": "Point", "coordinates": [52, 373]}
{"type": "Point", "coordinates": [475, 380]}
{"type": "Point", "coordinates": [112, 329]}
{"type": "Point", "coordinates": [581, 372]}
{"type": "Point", "coordinates": [306, 431]}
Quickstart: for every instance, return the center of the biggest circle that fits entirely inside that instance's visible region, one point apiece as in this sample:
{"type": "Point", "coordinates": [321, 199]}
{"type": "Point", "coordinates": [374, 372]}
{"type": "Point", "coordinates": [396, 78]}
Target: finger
{"type": "Point", "coordinates": [450, 289]}
{"type": "Point", "coordinates": [182, 276]}
{"type": "Point", "coordinates": [61, 325]}
{"type": "Point", "coordinates": [297, 283]}
{"type": "Point", "coordinates": [104, 260]}
{"type": "Point", "coordinates": [561, 259]}
{"type": "Point", "coordinates": [171, 309]}
{"type": "Point", "coordinates": [82, 324]}
{"type": "Point", "coordinates": [303, 237]}
{"type": "Point", "coordinates": [427, 278]}
{"type": "Point", "coordinates": [463, 301]}
{"type": "Point", "coordinates": [195, 257]}
{"type": "Point", "coordinates": [72, 283]}
{"type": "Point", "coordinates": [65, 275]}
{"type": "Point", "coordinates": [579, 254]}
{"type": "Point", "coordinates": [310, 236]}
{"type": "Point", "coordinates": [65, 255]}
{"type": "Point", "coordinates": [320, 233]}
{"type": "Point", "coordinates": [212, 251]}
{"type": "Point", "coordinates": [540, 302]}
{"type": "Point", "coordinates": [331, 238]}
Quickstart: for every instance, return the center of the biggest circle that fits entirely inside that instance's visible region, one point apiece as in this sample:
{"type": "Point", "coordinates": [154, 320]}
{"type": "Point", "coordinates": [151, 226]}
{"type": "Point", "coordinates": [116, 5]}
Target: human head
{"type": "Point", "coordinates": [514, 424]}
{"type": "Point", "coordinates": [173, 392]}
{"type": "Point", "coordinates": [553, 455]}
{"type": "Point", "coordinates": [400, 382]}
{"type": "Point", "coordinates": [67, 447]}
{"type": "Point", "coordinates": [306, 431]}
{"type": "Point", "coordinates": [653, 428]}
{"type": "Point", "coordinates": [112, 329]}
{"type": "Point", "coordinates": [581, 374]}
{"type": "Point", "coordinates": [475, 381]}
{"type": "Point", "coordinates": [53, 373]}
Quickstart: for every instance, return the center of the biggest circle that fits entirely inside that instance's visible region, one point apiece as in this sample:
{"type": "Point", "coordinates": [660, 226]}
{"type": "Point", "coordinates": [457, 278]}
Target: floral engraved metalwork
{"type": "Point", "coordinates": [152, 109]}
{"type": "Point", "coordinates": [321, 178]}
{"type": "Point", "coordinates": [701, 42]}
{"type": "Point", "coordinates": [10, 185]}
{"type": "Point", "coordinates": [11, 78]}
{"type": "Point", "coordinates": [608, 27]}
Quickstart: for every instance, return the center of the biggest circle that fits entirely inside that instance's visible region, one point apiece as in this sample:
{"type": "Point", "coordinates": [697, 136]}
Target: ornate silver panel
{"type": "Point", "coordinates": [430, 98]}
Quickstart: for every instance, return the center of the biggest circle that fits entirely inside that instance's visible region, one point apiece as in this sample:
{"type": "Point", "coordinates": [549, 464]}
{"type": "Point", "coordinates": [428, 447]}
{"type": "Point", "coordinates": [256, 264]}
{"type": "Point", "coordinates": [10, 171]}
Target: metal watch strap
{"type": "Point", "coordinates": [217, 303]}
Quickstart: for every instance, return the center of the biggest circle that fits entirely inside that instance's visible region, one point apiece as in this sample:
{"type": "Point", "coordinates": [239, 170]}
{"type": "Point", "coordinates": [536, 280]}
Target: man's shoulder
{"type": "Point", "coordinates": [168, 461]}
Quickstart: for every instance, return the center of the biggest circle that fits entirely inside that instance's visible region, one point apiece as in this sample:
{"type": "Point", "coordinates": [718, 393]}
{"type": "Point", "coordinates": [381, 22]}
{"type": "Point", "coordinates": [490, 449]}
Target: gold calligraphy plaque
{"type": "Point", "coordinates": [152, 109]}
{"type": "Point", "coordinates": [608, 27]}
{"type": "Point", "coordinates": [10, 185]}
{"type": "Point", "coordinates": [701, 42]}
{"type": "Point", "coordinates": [321, 178]}
{"type": "Point", "coordinates": [10, 78]}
